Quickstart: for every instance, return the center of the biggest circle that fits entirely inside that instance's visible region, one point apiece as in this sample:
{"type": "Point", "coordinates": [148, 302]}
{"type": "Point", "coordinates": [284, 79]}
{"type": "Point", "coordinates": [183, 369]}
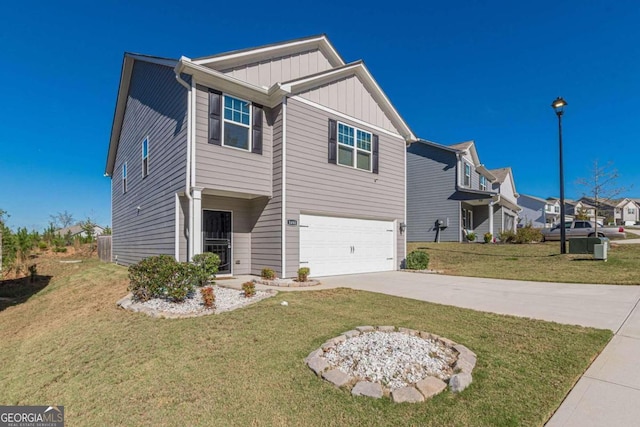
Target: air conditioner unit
{"type": "Point", "coordinates": [600, 251]}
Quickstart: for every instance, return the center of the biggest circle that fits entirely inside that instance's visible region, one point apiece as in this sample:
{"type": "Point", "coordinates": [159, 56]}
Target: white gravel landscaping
{"type": "Point", "coordinates": [393, 359]}
{"type": "Point", "coordinates": [227, 299]}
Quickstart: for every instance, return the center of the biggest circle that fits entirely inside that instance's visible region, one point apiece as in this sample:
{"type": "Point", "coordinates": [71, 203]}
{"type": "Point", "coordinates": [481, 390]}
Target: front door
{"type": "Point", "coordinates": [216, 237]}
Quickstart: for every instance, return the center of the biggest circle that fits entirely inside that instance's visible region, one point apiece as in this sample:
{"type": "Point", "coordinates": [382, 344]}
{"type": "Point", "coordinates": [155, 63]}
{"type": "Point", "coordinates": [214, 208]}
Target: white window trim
{"type": "Point", "coordinates": [464, 174]}
{"type": "Point", "coordinates": [483, 183]}
{"type": "Point", "coordinates": [249, 127]}
{"type": "Point", "coordinates": [143, 157]}
{"type": "Point", "coordinates": [125, 172]}
{"type": "Point", "coordinates": [354, 147]}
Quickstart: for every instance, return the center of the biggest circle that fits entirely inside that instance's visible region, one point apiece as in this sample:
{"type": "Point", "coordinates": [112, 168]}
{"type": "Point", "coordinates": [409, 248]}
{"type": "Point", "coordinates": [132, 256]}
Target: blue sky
{"type": "Point", "coordinates": [455, 70]}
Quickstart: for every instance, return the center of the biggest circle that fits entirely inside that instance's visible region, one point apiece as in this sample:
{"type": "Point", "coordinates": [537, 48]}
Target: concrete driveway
{"type": "Point", "coordinates": [609, 392]}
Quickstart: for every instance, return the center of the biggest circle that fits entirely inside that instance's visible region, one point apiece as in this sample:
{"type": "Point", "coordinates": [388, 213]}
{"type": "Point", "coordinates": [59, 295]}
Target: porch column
{"type": "Point", "coordinates": [491, 220]}
{"type": "Point", "coordinates": [196, 232]}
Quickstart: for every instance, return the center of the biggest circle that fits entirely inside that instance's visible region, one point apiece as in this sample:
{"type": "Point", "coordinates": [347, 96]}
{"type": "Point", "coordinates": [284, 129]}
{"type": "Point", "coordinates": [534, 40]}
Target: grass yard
{"type": "Point", "coordinates": [537, 262]}
{"type": "Point", "coordinates": [68, 344]}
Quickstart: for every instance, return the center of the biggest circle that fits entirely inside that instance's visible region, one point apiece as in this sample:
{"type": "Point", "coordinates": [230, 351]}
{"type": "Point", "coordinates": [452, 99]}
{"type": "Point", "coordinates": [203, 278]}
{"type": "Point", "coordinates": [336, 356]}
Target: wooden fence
{"type": "Point", "coordinates": [104, 248]}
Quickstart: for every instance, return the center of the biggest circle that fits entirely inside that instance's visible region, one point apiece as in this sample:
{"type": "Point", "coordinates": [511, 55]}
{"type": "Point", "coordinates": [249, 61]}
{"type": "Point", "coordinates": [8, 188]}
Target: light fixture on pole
{"type": "Point", "coordinates": [558, 105]}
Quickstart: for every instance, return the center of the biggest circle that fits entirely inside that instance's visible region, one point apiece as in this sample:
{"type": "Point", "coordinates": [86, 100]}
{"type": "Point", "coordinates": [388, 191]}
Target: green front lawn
{"type": "Point", "coordinates": [69, 345]}
{"type": "Point", "coordinates": [537, 262]}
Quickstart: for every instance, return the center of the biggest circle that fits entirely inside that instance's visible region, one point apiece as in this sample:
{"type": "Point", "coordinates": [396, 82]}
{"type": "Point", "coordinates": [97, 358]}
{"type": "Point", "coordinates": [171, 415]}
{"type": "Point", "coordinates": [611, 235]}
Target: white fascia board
{"type": "Point", "coordinates": [361, 71]}
{"type": "Point", "coordinates": [268, 97]}
{"type": "Point", "coordinates": [273, 51]}
{"type": "Point", "coordinates": [484, 171]}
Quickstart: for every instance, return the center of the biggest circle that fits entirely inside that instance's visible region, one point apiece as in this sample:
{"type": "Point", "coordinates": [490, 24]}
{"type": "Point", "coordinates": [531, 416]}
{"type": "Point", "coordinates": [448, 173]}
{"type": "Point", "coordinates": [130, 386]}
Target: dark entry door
{"type": "Point", "coordinates": [216, 237]}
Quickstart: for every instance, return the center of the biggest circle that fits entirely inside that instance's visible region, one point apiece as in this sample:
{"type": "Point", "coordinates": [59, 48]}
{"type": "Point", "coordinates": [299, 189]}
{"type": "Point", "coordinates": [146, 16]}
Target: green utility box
{"type": "Point", "coordinates": [585, 245]}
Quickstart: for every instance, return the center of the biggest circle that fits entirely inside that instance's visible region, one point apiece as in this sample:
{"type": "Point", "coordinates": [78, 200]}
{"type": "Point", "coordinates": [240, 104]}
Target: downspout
{"type": "Point", "coordinates": [177, 70]}
{"type": "Point", "coordinates": [284, 187]}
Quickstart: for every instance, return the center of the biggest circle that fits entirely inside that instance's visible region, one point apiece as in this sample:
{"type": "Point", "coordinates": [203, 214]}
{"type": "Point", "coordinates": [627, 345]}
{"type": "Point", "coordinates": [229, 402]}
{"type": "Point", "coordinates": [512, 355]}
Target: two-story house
{"type": "Point", "coordinates": [538, 212]}
{"type": "Point", "coordinates": [627, 212]}
{"type": "Point", "coordinates": [450, 193]}
{"type": "Point", "coordinates": [280, 156]}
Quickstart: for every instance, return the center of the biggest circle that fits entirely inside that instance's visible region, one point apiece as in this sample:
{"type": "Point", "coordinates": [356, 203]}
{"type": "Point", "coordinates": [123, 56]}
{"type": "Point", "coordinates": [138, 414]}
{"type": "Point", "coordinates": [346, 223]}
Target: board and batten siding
{"type": "Point", "coordinates": [431, 181]}
{"type": "Point", "coordinates": [349, 96]}
{"type": "Point", "coordinates": [156, 107]}
{"type": "Point", "coordinates": [281, 69]}
{"type": "Point", "coordinates": [314, 186]}
{"type": "Point", "coordinates": [228, 169]}
{"type": "Point", "coordinates": [266, 238]}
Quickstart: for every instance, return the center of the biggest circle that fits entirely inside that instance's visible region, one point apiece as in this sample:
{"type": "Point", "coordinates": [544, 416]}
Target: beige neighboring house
{"type": "Point", "coordinates": [77, 230]}
{"type": "Point", "coordinates": [281, 156]}
{"type": "Point", "coordinates": [627, 212]}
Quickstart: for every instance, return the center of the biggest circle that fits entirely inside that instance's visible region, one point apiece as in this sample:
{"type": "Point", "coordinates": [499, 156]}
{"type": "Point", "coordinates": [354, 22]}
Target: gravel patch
{"type": "Point", "coordinates": [394, 359]}
{"type": "Point", "coordinates": [227, 299]}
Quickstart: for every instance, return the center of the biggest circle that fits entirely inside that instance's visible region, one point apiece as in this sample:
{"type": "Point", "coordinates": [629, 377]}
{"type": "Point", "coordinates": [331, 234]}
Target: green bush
{"type": "Point", "coordinates": [42, 245]}
{"type": "Point", "coordinates": [182, 282]}
{"type": "Point", "coordinates": [471, 237]}
{"type": "Point", "coordinates": [162, 277]}
{"type": "Point", "coordinates": [488, 237]}
{"type": "Point", "coordinates": [206, 267]}
{"type": "Point", "coordinates": [528, 234]}
{"type": "Point", "coordinates": [417, 260]}
{"type": "Point", "coordinates": [60, 249]}
{"type": "Point", "coordinates": [249, 289]}
{"type": "Point", "coordinates": [303, 274]}
{"type": "Point", "coordinates": [268, 274]}
{"type": "Point", "coordinates": [507, 236]}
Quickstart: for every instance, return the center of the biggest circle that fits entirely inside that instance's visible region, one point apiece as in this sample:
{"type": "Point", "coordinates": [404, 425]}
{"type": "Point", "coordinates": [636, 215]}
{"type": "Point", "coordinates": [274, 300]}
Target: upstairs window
{"type": "Point", "coordinates": [145, 157]}
{"type": "Point", "coordinates": [483, 183]}
{"type": "Point", "coordinates": [237, 123]}
{"type": "Point", "coordinates": [124, 178]}
{"type": "Point", "coordinates": [631, 211]}
{"type": "Point", "coordinates": [354, 147]}
{"type": "Point", "coordinates": [467, 175]}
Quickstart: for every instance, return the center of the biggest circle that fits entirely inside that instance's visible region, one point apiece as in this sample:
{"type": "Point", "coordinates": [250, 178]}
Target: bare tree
{"type": "Point", "coordinates": [62, 219]}
{"type": "Point", "coordinates": [601, 186]}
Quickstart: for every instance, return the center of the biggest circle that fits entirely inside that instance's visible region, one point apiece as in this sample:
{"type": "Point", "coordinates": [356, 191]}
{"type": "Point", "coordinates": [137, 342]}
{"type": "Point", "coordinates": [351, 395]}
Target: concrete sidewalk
{"type": "Point", "coordinates": [609, 392]}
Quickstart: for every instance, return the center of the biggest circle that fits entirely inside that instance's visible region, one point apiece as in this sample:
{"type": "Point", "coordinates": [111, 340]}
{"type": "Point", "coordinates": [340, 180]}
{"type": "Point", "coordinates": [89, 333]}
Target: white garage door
{"type": "Point", "coordinates": [332, 245]}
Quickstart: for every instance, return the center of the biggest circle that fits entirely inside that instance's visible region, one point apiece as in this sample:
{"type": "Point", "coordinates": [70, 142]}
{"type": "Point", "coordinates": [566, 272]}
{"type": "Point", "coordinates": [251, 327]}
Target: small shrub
{"type": "Point", "coordinates": [60, 249]}
{"type": "Point", "coordinates": [471, 237]}
{"type": "Point", "coordinates": [42, 246]}
{"type": "Point", "coordinates": [488, 237]}
{"type": "Point", "coordinates": [181, 282]}
{"type": "Point", "coordinates": [208, 297]}
{"type": "Point", "coordinates": [528, 234]}
{"type": "Point", "coordinates": [150, 277]}
{"type": "Point", "coordinates": [33, 272]}
{"type": "Point", "coordinates": [249, 289]}
{"type": "Point", "coordinates": [206, 267]}
{"type": "Point", "coordinates": [268, 274]}
{"type": "Point", "coordinates": [507, 236]}
{"type": "Point", "coordinates": [303, 274]}
{"type": "Point", "coordinates": [417, 260]}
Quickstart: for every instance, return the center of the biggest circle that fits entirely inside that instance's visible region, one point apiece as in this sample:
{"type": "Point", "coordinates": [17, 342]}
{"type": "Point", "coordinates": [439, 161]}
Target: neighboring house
{"type": "Point", "coordinates": [606, 208]}
{"type": "Point", "coordinates": [552, 211]}
{"type": "Point", "coordinates": [540, 213]}
{"type": "Point", "coordinates": [281, 156]}
{"type": "Point", "coordinates": [450, 193]}
{"type": "Point", "coordinates": [574, 208]}
{"type": "Point", "coordinates": [627, 212]}
{"type": "Point", "coordinates": [77, 230]}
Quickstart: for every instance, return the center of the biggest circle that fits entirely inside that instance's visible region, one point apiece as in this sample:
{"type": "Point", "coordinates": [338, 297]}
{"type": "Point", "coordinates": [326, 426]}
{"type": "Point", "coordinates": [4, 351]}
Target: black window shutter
{"type": "Point", "coordinates": [215, 122]}
{"type": "Point", "coordinates": [257, 129]}
{"type": "Point", "coordinates": [333, 140]}
{"type": "Point", "coordinates": [374, 166]}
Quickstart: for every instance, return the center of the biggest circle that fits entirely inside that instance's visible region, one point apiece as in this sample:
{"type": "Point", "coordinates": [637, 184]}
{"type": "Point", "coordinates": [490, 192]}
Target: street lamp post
{"type": "Point", "coordinates": [558, 105]}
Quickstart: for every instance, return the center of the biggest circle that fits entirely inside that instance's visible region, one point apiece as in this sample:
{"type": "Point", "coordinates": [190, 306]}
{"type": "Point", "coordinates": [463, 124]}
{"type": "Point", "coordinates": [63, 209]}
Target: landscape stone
{"type": "Point", "coordinates": [386, 328]}
{"type": "Point", "coordinates": [459, 382]}
{"type": "Point", "coordinates": [412, 332]}
{"type": "Point", "coordinates": [315, 353]}
{"type": "Point", "coordinates": [447, 342]}
{"type": "Point", "coordinates": [336, 377]}
{"type": "Point", "coordinates": [406, 394]}
{"type": "Point", "coordinates": [318, 364]}
{"type": "Point", "coordinates": [369, 389]}
{"type": "Point", "coordinates": [365, 328]}
{"type": "Point", "coordinates": [430, 386]}
{"type": "Point", "coordinates": [463, 350]}
{"type": "Point", "coordinates": [428, 336]}
{"type": "Point", "coordinates": [352, 333]}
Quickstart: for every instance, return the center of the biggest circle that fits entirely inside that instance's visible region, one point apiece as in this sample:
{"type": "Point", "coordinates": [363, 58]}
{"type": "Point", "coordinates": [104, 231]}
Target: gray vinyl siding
{"type": "Point", "coordinates": [227, 169]}
{"type": "Point", "coordinates": [281, 69]}
{"type": "Point", "coordinates": [532, 211]}
{"type": "Point", "coordinates": [349, 96]}
{"type": "Point", "coordinates": [182, 228]}
{"type": "Point", "coordinates": [481, 221]}
{"type": "Point", "coordinates": [266, 242]}
{"type": "Point", "coordinates": [497, 220]}
{"type": "Point", "coordinates": [431, 181]}
{"type": "Point", "coordinates": [243, 218]}
{"type": "Point", "coordinates": [157, 108]}
{"type": "Point", "coordinates": [314, 186]}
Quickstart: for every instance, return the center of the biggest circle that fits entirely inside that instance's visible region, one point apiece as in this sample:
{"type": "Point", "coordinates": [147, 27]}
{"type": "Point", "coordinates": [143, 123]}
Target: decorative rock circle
{"type": "Point", "coordinates": [286, 283]}
{"type": "Point", "coordinates": [422, 376]}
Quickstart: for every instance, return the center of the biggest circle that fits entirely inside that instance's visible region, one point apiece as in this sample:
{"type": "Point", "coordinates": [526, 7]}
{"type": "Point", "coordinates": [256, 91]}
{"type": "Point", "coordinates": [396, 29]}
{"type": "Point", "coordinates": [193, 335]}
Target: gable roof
{"type": "Point", "coordinates": [501, 174]}
{"type": "Point", "coordinates": [626, 201]}
{"type": "Point", "coordinates": [462, 146]}
{"type": "Point", "coordinates": [538, 199]}
{"type": "Point", "coordinates": [260, 53]}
